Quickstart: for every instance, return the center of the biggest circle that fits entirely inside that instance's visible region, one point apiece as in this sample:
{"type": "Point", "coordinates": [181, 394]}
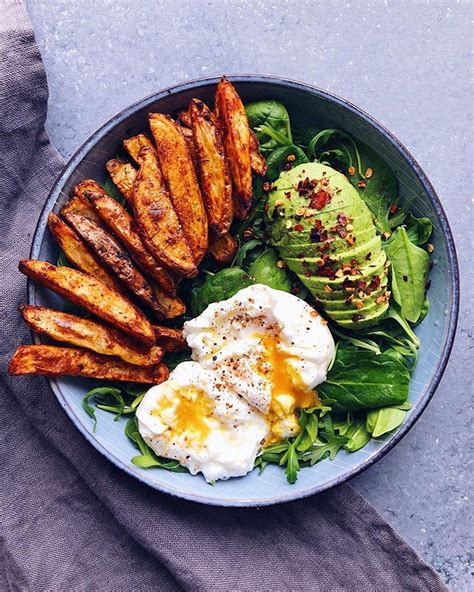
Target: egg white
{"type": "Point", "coordinates": [233, 431]}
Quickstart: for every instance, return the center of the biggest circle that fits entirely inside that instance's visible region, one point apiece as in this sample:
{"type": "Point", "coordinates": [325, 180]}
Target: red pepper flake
{"type": "Point", "coordinates": [351, 170]}
{"type": "Point", "coordinates": [342, 219]}
{"type": "Point", "coordinates": [298, 227]}
{"type": "Point", "coordinates": [361, 184]}
{"type": "Point", "coordinates": [267, 186]}
{"type": "Point", "coordinates": [368, 257]}
{"type": "Point", "coordinates": [368, 173]}
{"type": "Point", "coordinates": [358, 317]}
{"type": "Point", "coordinates": [393, 209]}
{"type": "Point", "coordinates": [350, 240]}
{"type": "Point", "coordinates": [307, 274]}
{"type": "Point", "coordinates": [375, 283]}
{"type": "Point", "coordinates": [319, 200]}
{"type": "Point", "coordinates": [295, 290]}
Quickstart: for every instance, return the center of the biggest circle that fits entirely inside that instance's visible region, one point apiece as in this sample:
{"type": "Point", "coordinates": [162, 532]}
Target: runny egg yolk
{"type": "Point", "coordinates": [286, 394]}
{"type": "Point", "coordinates": [190, 415]}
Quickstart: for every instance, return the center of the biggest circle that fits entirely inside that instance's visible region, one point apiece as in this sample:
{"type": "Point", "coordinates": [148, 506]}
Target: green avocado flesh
{"type": "Point", "coordinates": [324, 232]}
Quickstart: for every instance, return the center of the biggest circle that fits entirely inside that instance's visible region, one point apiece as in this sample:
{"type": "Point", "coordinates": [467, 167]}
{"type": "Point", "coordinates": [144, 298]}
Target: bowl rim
{"type": "Point", "coordinates": [453, 306]}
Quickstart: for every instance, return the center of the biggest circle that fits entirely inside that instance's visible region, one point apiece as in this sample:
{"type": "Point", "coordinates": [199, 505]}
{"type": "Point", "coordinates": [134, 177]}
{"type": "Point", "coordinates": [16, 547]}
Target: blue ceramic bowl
{"type": "Point", "coordinates": [308, 106]}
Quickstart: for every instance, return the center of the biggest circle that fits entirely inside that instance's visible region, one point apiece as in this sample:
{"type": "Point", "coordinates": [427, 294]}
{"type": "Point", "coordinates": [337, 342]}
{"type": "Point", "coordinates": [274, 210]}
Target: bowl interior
{"type": "Point", "coordinates": [308, 107]}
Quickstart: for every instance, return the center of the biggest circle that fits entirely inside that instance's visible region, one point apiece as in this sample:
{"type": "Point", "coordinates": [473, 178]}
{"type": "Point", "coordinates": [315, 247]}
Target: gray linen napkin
{"type": "Point", "coordinates": [69, 519]}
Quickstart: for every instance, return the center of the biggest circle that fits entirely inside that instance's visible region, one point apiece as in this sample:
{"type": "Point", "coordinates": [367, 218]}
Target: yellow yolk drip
{"type": "Point", "coordinates": [190, 413]}
{"type": "Point", "coordinates": [286, 395]}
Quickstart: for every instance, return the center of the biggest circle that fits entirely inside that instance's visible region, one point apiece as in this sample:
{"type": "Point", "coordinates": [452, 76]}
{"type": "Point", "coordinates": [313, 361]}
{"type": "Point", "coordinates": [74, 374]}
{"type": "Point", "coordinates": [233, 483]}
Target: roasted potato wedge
{"type": "Point", "coordinates": [134, 144]}
{"type": "Point", "coordinates": [123, 175]}
{"type": "Point", "coordinates": [188, 136]}
{"type": "Point", "coordinates": [170, 306]}
{"type": "Point", "coordinates": [69, 328]}
{"type": "Point", "coordinates": [122, 225]}
{"type": "Point", "coordinates": [179, 174]}
{"type": "Point", "coordinates": [169, 339]}
{"type": "Point", "coordinates": [224, 248]}
{"type": "Point", "coordinates": [50, 360]}
{"type": "Point", "coordinates": [79, 204]}
{"type": "Point", "coordinates": [185, 118]}
{"type": "Point", "coordinates": [257, 161]}
{"type": "Point", "coordinates": [117, 260]}
{"type": "Point", "coordinates": [93, 295]}
{"type": "Point", "coordinates": [77, 252]}
{"type": "Point", "coordinates": [157, 220]}
{"type": "Point", "coordinates": [214, 175]}
{"type": "Point", "coordinates": [236, 134]}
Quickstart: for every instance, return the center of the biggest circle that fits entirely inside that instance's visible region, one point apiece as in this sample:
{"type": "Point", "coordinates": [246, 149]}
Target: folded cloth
{"type": "Point", "coordinates": [70, 519]}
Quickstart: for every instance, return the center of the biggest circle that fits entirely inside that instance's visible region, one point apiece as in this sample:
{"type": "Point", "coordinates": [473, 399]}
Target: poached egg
{"type": "Point", "coordinates": [257, 358]}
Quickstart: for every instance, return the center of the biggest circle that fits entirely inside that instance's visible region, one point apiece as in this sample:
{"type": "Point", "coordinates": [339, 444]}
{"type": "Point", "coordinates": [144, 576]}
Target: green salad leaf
{"type": "Point", "coordinates": [384, 420]}
{"type": "Point", "coordinates": [265, 270]}
{"type": "Point", "coordinates": [418, 229]}
{"type": "Point", "coordinates": [277, 161]}
{"type": "Point", "coordinates": [364, 380]}
{"type": "Point", "coordinates": [220, 286]}
{"type": "Point", "coordinates": [111, 189]}
{"type": "Point", "coordinates": [271, 123]}
{"type": "Point", "coordinates": [409, 272]}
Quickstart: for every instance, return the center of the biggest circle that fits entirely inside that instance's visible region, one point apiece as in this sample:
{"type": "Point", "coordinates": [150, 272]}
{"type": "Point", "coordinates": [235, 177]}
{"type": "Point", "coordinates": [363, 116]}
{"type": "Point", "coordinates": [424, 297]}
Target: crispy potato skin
{"type": "Point", "coordinates": [116, 259]}
{"type": "Point", "coordinates": [156, 218]}
{"type": "Point", "coordinates": [93, 295]}
{"type": "Point", "coordinates": [214, 175]}
{"type": "Point", "coordinates": [50, 360]}
{"type": "Point", "coordinates": [170, 306]}
{"type": "Point", "coordinates": [123, 175]}
{"type": "Point", "coordinates": [257, 161]}
{"type": "Point", "coordinates": [224, 248]}
{"type": "Point", "coordinates": [170, 340]}
{"type": "Point", "coordinates": [134, 145]}
{"type": "Point", "coordinates": [178, 171]}
{"type": "Point", "coordinates": [236, 134]}
{"type": "Point", "coordinates": [89, 334]}
{"type": "Point", "coordinates": [78, 253]}
{"type": "Point", "coordinates": [122, 225]}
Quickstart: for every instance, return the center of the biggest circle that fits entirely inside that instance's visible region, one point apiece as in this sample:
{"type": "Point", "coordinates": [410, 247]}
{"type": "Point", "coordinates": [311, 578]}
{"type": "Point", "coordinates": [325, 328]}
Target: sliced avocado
{"type": "Point", "coordinates": [371, 247]}
{"type": "Point", "coordinates": [372, 319]}
{"type": "Point", "coordinates": [306, 221]}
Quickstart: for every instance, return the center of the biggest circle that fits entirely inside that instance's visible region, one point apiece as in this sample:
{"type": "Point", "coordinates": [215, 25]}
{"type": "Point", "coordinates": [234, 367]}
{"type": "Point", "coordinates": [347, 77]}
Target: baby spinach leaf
{"type": "Point", "coordinates": [269, 116]}
{"type": "Point", "coordinates": [265, 270]}
{"type": "Point", "coordinates": [111, 189]}
{"type": "Point", "coordinates": [409, 270]}
{"type": "Point", "coordinates": [358, 436]}
{"type": "Point", "coordinates": [363, 380]}
{"type": "Point", "coordinates": [386, 419]}
{"type": "Point", "coordinates": [380, 190]}
{"type": "Point", "coordinates": [172, 359]}
{"type": "Point", "coordinates": [277, 161]}
{"type": "Point", "coordinates": [394, 313]}
{"type": "Point", "coordinates": [220, 286]}
{"type": "Point", "coordinates": [418, 229]}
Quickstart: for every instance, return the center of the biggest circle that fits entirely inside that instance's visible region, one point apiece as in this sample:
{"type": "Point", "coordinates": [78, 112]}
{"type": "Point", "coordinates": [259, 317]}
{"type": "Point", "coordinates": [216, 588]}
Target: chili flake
{"type": "Point", "coordinates": [298, 227]}
{"type": "Point", "coordinates": [361, 184]}
{"type": "Point", "coordinates": [368, 173]}
{"type": "Point", "coordinates": [351, 170]}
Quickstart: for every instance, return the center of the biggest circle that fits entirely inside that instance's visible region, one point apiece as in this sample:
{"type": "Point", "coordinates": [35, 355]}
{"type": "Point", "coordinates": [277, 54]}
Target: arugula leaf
{"type": "Point", "coordinates": [148, 459]}
{"type": "Point", "coordinates": [292, 464]}
{"type": "Point", "coordinates": [62, 261]}
{"type": "Point", "coordinates": [309, 432]}
{"type": "Point", "coordinates": [418, 229]}
{"type": "Point", "coordinates": [363, 380]}
{"type": "Point", "coordinates": [409, 271]}
{"type": "Point", "coordinates": [244, 251]}
{"type": "Point", "coordinates": [97, 393]}
{"type": "Point", "coordinates": [321, 450]}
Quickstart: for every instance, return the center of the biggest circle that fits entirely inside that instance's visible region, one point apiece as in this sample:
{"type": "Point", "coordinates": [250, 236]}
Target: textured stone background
{"type": "Point", "coordinates": [406, 63]}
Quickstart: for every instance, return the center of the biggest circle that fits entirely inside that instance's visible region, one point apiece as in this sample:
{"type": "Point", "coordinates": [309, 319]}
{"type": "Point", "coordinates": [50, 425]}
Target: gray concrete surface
{"type": "Point", "coordinates": [406, 63]}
